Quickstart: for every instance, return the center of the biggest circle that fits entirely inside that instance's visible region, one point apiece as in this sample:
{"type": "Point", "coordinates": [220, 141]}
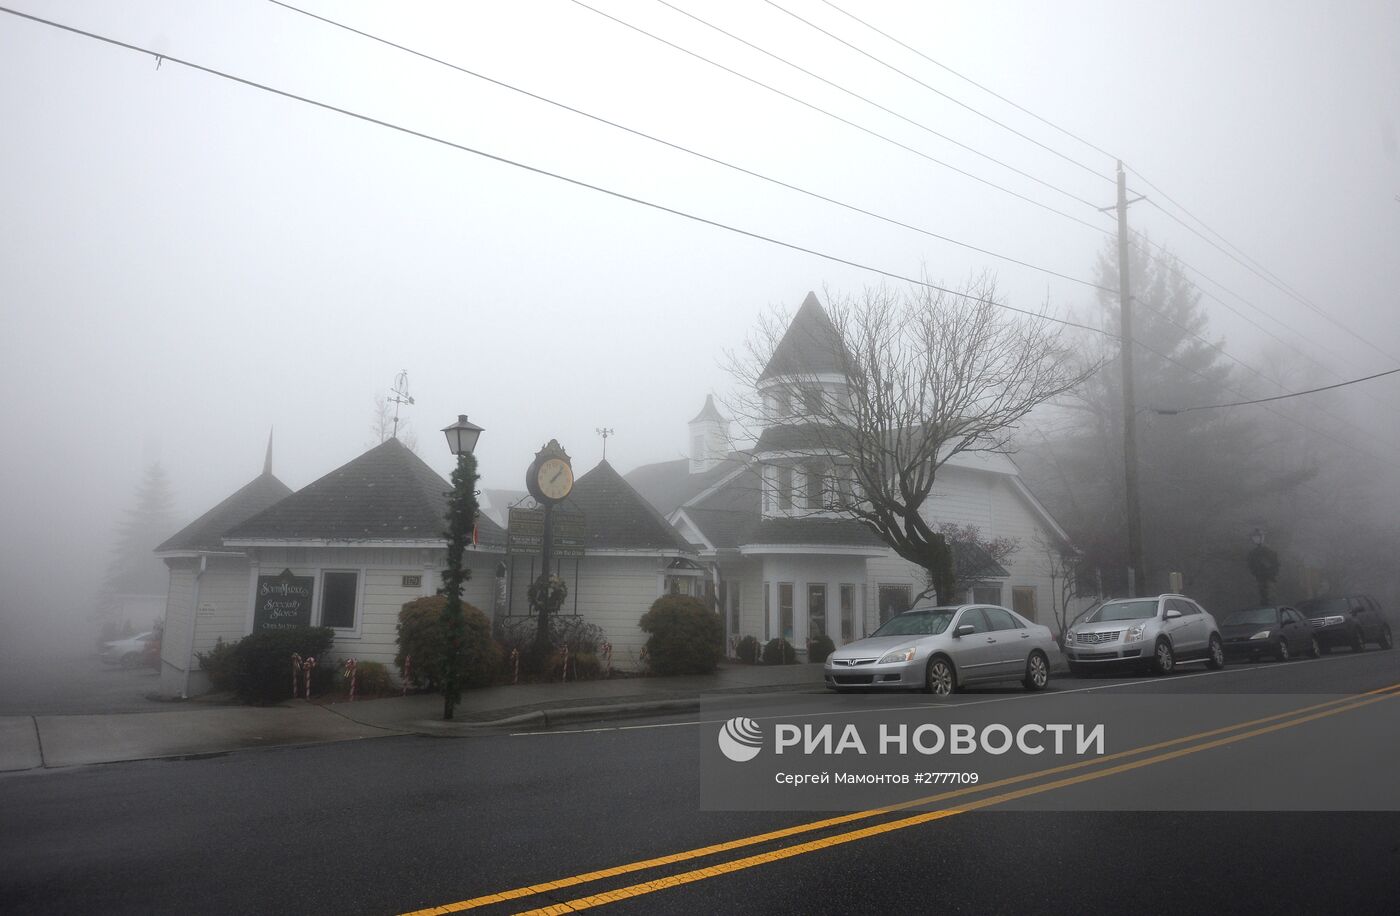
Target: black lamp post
{"type": "Point", "coordinates": [461, 521]}
{"type": "Point", "coordinates": [1263, 564]}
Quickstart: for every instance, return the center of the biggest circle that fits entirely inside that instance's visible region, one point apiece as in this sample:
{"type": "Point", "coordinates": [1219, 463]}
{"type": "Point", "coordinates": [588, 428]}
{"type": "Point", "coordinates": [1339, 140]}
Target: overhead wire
{"type": "Point", "coordinates": [685, 149]}
{"type": "Point", "coordinates": [869, 101]}
{"type": "Point", "coordinates": [830, 114]}
{"type": "Point", "coordinates": [981, 114]}
{"type": "Point", "coordinates": [1281, 397]}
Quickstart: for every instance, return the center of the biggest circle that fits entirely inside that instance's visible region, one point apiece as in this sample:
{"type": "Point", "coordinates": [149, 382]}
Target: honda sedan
{"type": "Point", "coordinates": [942, 649]}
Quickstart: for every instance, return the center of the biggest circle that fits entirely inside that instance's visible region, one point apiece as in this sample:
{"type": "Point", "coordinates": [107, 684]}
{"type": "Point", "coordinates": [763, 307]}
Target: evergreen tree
{"type": "Point", "coordinates": [1206, 478]}
{"type": "Point", "coordinates": [134, 569]}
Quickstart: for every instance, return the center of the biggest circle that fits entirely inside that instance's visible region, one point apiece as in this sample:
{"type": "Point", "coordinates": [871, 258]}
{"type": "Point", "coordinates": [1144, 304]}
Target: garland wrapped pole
{"type": "Point", "coordinates": [461, 520]}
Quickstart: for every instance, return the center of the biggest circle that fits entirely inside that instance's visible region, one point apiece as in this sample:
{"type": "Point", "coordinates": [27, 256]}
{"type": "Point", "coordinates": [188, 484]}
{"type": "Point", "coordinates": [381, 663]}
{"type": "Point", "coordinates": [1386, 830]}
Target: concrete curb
{"type": "Point", "coordinates": [544, 718]}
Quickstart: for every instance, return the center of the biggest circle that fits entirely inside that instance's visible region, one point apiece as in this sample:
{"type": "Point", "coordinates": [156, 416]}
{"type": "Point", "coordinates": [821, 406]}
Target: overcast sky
{"type": "Point", "coordinates": [187, 262]}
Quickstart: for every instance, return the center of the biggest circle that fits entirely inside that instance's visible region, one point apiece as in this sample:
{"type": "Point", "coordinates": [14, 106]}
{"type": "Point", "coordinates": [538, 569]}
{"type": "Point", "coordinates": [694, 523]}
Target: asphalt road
{"type": "Point", "coordinates": [394, 824]}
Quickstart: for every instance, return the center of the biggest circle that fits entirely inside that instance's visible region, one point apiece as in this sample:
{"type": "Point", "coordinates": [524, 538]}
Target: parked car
{"type": "Point", "coordinates": [943, 649]}
{"type": "Point", "coordinates": [1278, 631]}
{"type": "Point", "coordinates": [134, 651]}
{"type": "Point", "coordinates": [1351, 620]}
{"type": "Point", "coordinates": [1157, 633]}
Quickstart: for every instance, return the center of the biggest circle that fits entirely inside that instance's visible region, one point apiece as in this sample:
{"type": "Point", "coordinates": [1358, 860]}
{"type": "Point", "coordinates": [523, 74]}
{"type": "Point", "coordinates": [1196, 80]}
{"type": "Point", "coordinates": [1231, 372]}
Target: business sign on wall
{"type": "Point", "coordinates": [282, 601]}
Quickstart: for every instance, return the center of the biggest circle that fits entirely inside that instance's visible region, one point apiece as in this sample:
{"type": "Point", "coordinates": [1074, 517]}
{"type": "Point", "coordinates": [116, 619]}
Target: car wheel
{"type": "Point", "coordinates": [1386, 640]}
{"type": "Point", "coordinates": [939, 679]}
{"type": "Point", "coordinates": [1282, 653]}
{"type": "Point", "coordinates": [1163, 660]}
{"type": "Point", "coordinates": [1037, 672]}
{"type": "Point", "coordinates": [1358, 641]}
{"type": "Point", "coordinates": [1315, 649]}
{"type": "Point", "coordinates": [1216, 660]}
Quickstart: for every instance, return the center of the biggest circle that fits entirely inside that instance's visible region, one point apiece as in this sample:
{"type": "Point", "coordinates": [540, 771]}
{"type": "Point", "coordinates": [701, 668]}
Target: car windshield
{"type": "Point", "coordinates": [1252, 616]}
{"type": "Point", "coordinates": [917, 623]}
{"type": "Point", "coordinates": [1124, 610]}
{"type": "Point", "coordinates": [1321, 607]}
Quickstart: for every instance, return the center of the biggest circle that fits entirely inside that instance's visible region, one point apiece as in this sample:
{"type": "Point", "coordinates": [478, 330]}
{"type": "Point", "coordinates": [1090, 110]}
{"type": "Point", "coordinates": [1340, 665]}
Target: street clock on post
{"type": "Point", "coordinates": [550, 478]}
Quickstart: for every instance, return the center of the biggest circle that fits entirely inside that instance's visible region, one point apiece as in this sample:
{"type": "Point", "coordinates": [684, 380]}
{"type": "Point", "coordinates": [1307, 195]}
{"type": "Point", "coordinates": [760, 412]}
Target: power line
{"type": "Point", "coordinates": [1050, 149]}
{"type": "Point", "coordinates": [869, 101]}
{"type": "Point", "coordinates": [817, 108]}
{"type": "Point", "coordinates": [967, 79]}
{"type": "Point", "coordinates": [687, 150]}
{"type": "Point", "coordinates": [1292, 394]}
{"type": "Point", "coordinates": [326, 106]}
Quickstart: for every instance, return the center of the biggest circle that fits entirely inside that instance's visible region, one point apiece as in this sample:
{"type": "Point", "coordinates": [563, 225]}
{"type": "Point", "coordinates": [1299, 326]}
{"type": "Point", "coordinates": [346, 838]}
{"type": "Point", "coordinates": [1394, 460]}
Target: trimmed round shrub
{"type": "Point", "coordinates": [818, 649]}
{"type": "Point", "coordinates": [685, 636]}
{"type": "Point", "coordinates": [779, 652]}
{"type": "Point", "coordinates": [749, 651]}
{"type": "Point", "coordinates": [262, 662]}
{"type": "Point", "coordinates": [372, 679]}
{"type": "Point", "coordinates": [420, 639]}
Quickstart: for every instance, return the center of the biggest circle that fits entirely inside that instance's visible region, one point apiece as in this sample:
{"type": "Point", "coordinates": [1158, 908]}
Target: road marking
{"type": "Point", "coordinates": [700, 852]}
{"type": "Point", "coordinates": [700, 874]}
{"type": "Point", "coordinates": [1173, 679]}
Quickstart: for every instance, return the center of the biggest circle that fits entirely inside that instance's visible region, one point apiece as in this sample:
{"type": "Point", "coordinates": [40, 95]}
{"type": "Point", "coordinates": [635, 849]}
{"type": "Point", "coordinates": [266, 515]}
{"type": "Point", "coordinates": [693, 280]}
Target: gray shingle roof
{"type": "Point", "coordinates": [668, 485]}
{"type": "Point", "coordinates": [388, 493]}
{"type": "Point", "coordinates": [816, 532]}
{"type": "Point", "coordinates": [709, 411]}
{"type": "Point", "coordinates": [810, 344]}
{"type": "Point", "coordinates": [207, 531]}
{"type": "Point", "coordinates": [618, 517]}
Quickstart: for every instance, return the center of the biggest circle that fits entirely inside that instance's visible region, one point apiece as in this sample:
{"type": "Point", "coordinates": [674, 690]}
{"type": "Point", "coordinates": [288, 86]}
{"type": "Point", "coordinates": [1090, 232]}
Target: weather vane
{"type": "Point", "coordinates": [401, 396]}
{"type": "Point", "coordinates": [604, 432]}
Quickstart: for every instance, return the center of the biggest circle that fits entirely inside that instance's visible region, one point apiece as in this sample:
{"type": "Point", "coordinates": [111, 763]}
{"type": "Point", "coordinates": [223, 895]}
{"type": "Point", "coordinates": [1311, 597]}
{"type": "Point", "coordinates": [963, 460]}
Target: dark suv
{"type": "Point", "coordinates": [1349, 620]}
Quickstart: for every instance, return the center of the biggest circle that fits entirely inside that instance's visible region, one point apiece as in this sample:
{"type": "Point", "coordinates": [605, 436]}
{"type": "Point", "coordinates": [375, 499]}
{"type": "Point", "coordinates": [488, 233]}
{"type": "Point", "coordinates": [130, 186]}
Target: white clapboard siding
{"type": "Point", "coordinates": [179, 609]}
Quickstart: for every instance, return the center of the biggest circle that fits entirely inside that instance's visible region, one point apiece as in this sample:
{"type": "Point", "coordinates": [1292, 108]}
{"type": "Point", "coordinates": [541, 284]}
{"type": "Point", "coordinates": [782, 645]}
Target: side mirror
{"type": "Point", "coordinates": [1172, 614]}
{"type": "Point", "coordinates": [966, 629]}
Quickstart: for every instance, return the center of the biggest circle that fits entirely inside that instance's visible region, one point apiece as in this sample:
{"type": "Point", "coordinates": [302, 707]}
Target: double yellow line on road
{"type": "Point", "coordinates": [1256, 727]}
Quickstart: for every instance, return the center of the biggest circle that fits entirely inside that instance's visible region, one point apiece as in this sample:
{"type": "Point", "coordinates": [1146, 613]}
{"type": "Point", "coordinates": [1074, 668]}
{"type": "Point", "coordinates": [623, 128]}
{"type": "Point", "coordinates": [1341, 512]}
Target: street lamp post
{"type": "Point", "coordinates": [1263, 564]}
{"type": "Point", "coordinates": [461, 521]}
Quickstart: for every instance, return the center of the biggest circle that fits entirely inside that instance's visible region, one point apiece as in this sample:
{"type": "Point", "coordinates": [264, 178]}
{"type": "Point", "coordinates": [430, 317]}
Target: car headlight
{"type": "Point", "coordinates": [1134, 634]}
{"type": "Point", "coordinates": [899, 655]}
{"type": "Point", "coordinates": [1262, 634]}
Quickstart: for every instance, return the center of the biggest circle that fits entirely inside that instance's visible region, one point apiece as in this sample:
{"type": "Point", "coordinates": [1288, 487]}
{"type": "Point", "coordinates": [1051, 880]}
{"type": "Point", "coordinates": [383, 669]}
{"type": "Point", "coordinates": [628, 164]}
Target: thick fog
{"type": "Point", "coordinates": [188, 263]}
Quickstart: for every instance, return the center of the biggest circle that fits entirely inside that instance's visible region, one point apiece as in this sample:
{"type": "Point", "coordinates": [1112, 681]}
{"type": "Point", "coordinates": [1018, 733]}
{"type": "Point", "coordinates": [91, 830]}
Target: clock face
{"type": "Point", "coordinates": [555, 479]}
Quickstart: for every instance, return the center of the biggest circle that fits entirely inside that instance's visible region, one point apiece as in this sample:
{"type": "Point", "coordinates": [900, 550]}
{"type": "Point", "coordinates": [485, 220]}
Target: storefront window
{"type": "Point", "coordinates": [785, 610]}
{"type": "Point", "coordinates": [338, 599]}
{"type": "Point", "coordinates": [816, 610]}
{"type": "Point", "coordinates": [848, 613]}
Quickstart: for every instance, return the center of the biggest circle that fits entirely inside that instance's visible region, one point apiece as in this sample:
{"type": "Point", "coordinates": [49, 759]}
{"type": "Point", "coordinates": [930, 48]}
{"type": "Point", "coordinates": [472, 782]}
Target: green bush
{"type": "Point", "coordinates": [219, 662]}
{"type": "Point", "coordinates": [262, 662]}
{"type": "Point", "coordinates": [420, 636]}
{"type": "Point", "coordinates": [372, 679]}
{"type": "Point", "coordinates": [518, 634]}
{"type": "Point", "coordinates": [818, 649]}
{"type": "Point", "coordinates": [685, 636]}
{"type": "Point", "coordinates": [749, 651]}
{"type": "Point", "coordinates": [779, 652]}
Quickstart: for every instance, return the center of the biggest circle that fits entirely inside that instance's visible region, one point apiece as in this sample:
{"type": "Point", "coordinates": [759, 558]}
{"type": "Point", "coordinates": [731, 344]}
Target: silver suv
{"type": "Point", "coordinates": [1158, 633]}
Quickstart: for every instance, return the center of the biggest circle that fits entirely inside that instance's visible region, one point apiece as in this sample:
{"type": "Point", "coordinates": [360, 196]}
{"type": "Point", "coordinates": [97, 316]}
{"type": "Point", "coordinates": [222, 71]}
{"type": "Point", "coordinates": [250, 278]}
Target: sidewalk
{"type": "Point", "coordinates": [32, 742]}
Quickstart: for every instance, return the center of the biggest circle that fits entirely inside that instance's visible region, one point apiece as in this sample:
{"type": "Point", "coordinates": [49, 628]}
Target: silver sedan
{"type": "Point", "coordinates": [942, 649]}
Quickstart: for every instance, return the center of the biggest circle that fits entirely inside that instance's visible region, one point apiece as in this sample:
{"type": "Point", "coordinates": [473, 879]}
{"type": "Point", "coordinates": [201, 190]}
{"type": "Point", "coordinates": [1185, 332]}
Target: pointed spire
{"type": "Point", "coordinates": [811, 344]}
{"type": "Point", "coordinates": [267, 461]}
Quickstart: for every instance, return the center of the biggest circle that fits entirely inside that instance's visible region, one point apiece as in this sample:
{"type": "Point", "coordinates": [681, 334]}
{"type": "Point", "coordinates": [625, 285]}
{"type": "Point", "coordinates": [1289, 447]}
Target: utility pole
{"type": "Point", "coordinates": [1137, 564]}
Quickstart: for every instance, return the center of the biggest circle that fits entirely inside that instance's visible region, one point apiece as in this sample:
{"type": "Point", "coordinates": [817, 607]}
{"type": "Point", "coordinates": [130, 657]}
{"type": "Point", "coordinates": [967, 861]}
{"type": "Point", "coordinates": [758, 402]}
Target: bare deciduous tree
{"type": "Point", "coordinates": [884, 389]}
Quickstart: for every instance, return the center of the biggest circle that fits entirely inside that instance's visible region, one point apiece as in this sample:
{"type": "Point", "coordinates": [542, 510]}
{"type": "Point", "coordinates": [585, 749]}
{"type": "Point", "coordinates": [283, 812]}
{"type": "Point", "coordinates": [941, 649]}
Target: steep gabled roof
{"type": "Point", "coordinates": [207, 531]}
{"type": "Point", "coordinates": [810, 345]}
{"type": "Point", "coordinates": [668, 485]}
{"type": "Point", "coordinates": [386, 494]}
{"type": "Point", "coordinates": [618, 517]}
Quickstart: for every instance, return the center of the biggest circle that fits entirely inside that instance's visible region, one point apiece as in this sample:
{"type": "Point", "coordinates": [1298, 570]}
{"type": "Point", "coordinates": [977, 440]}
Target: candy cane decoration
{"type": "Point", "coordinates": [307, 667]}
{"type": "Point", "coordinates": [607, 658]}
{"type": "Point", "coordinates": [296, 673]}
{"type": "Point", "coordinates": [350, 673]}
{"type": "Point", "coordinates": [515, 661]}
{"type": "Point", "coordinates": [564, 676]}
{"type": "Point", "coordinates": [407, 672]}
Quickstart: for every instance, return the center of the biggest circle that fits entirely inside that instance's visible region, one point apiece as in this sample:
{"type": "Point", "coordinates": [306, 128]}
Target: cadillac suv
{"type": "Point", "coordinates": [1156, 633]}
